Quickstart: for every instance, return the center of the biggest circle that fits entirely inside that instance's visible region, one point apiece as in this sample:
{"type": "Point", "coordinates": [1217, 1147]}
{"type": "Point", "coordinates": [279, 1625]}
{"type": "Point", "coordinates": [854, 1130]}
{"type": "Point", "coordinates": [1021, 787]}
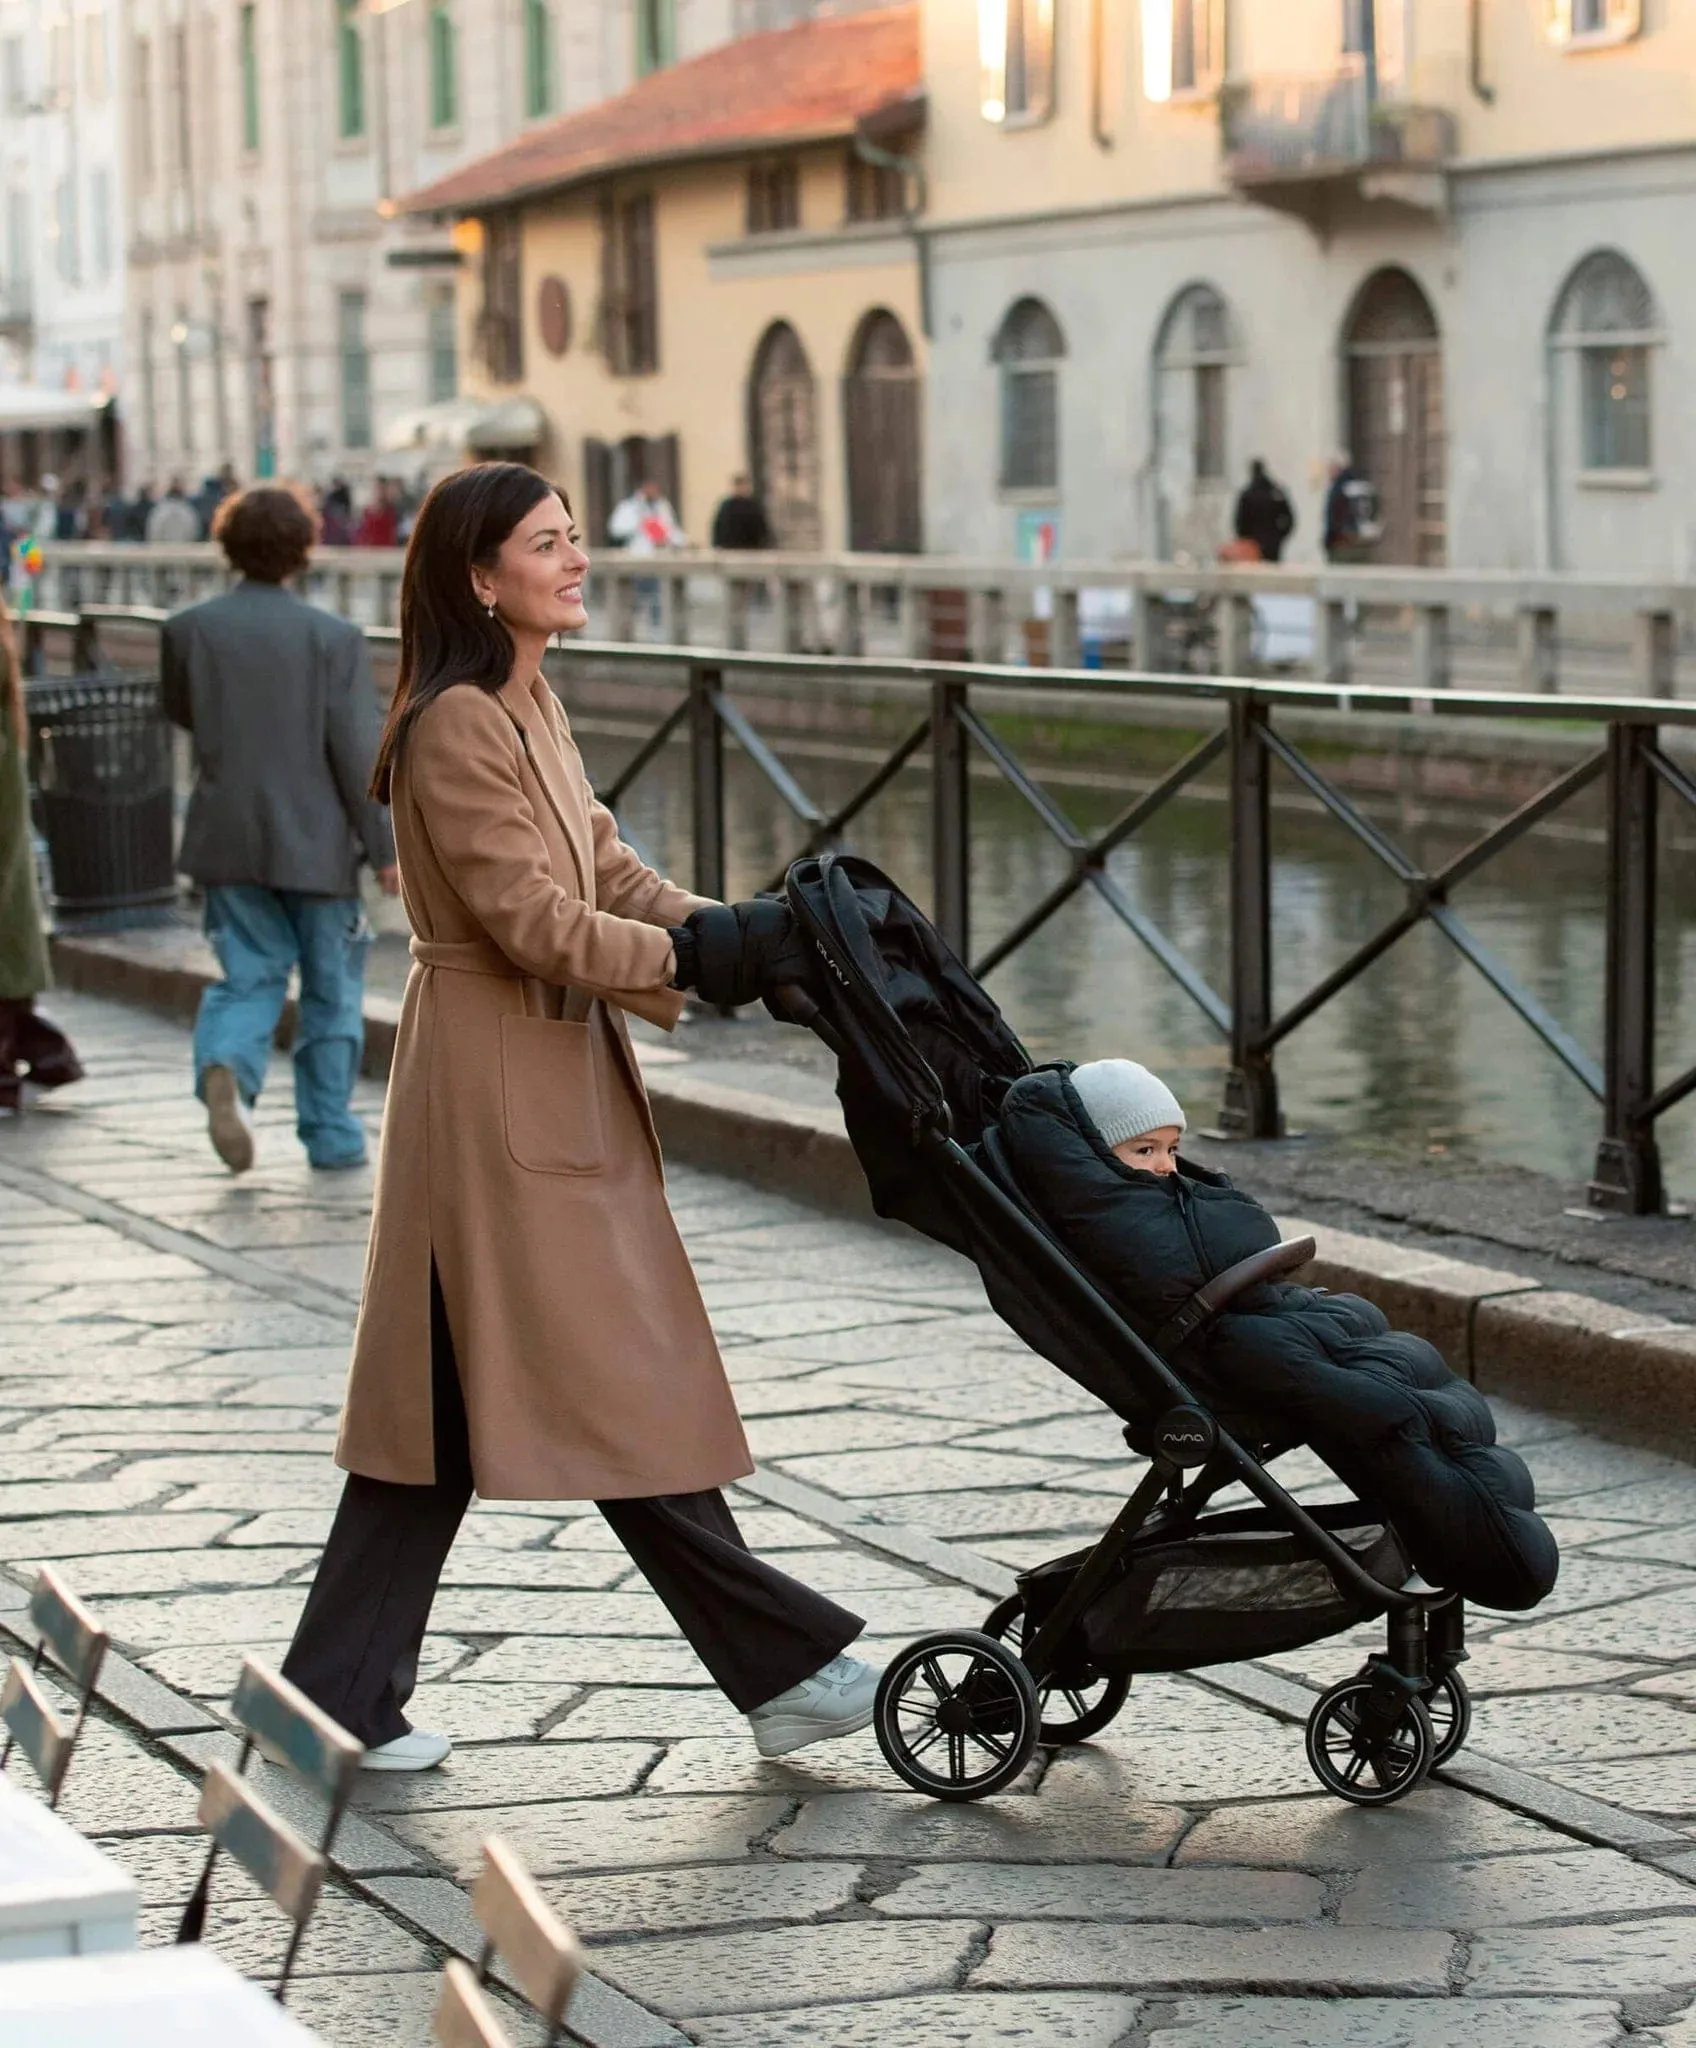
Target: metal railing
{"type": "Point", "coordinates": [1539, 634]}
{"type": "Point", "coordinates": [1629, 761]}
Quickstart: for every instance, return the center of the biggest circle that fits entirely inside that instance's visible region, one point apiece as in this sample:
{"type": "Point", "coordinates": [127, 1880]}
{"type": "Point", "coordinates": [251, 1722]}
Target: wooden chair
{"type": "Point", "coordinates": [295, 1734]}
{"type": "Point", "coordinates": [64, 1627]}
{"type": "Point", "coordinates": [540, 1951]}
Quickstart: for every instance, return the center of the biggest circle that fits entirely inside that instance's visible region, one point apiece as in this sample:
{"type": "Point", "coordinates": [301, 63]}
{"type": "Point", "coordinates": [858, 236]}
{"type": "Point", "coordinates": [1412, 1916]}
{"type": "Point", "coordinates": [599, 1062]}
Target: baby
{"type": "Point", "coordinates": [1136, 1113]}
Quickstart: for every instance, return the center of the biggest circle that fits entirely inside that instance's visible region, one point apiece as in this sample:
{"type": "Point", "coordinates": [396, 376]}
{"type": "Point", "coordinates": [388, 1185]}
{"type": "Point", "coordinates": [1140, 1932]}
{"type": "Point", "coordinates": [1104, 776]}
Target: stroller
{"type": "Point", "coordinates": [924, 1057]}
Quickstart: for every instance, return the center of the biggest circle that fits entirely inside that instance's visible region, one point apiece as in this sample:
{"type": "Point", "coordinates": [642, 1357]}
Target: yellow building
{"type": "Point", "coordinates": [1446, 236]}
{"type": "Point", "coordinates": [716, 274]}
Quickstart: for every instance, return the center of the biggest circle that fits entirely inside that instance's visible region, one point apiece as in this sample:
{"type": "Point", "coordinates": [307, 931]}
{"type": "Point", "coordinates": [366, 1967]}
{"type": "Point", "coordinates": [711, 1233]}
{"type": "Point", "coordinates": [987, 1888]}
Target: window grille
{"type": "Point", "coordinates": [1029, 348]}
{"type": "Point", "coordinates": [1608, 316]}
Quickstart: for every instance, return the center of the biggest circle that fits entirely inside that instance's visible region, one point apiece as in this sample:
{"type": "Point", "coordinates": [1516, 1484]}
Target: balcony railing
{"type": "Point", "coordinates": [1302, 130]}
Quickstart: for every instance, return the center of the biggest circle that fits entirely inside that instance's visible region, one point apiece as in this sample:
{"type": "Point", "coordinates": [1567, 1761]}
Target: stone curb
{"type": "Point", "coordinates": [1629, 1376]}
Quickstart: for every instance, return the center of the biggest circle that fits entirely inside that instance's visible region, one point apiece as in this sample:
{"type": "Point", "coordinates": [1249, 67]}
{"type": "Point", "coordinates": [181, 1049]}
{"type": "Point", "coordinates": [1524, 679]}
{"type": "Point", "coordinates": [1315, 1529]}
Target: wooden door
{"type": "Point", "coordinates": [784, 432]}
{"type": "Point", "coordinates": [881, 428]}
{"type": "Point", "coordinates": [1396, 426]}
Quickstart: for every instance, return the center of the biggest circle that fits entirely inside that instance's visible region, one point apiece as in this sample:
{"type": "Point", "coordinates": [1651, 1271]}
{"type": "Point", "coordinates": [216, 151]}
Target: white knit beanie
{"type": "Point", "coordinates": [1124, 1100]}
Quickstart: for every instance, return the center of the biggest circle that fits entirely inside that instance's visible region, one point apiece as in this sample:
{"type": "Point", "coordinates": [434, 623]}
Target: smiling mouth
{"type": "Point", "coordinates": [572, 593]}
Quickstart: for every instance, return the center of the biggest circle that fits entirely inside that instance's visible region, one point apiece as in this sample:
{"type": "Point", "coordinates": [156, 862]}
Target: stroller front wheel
{"type": "Point", "coordinates": [957, 1715]}
{"type": "Point", "coordinates": [1450, 1706]}
{"type": "Point", "coordinates": [1356, 1756]}
{"type": "Point", "coordinates": [1070, 1713]}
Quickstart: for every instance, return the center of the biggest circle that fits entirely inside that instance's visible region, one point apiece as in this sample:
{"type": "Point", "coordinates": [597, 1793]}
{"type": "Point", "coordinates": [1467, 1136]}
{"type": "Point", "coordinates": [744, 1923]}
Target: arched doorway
{"type": "Point", "coordinates": [1393, 359]}
{"type": "Point", "coordinates": [880, 412]}
{"type": "Point", "coordinates": [783, 433]}
{"type": "Point", "coordinates": [1191, 451]}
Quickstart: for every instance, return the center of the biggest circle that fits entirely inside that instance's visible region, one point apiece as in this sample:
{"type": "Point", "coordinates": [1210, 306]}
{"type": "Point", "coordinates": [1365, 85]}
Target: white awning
{"type": "Point", "coordinates": [457, 425]}
{"type": "Point", "coordinates": [26, 406]}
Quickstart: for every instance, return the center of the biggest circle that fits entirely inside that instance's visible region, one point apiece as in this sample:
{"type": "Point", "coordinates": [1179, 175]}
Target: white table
{"type": "Point", "coordinates": [59, 1896]}
{"type": "Point", "coordinates": [150, 1998]}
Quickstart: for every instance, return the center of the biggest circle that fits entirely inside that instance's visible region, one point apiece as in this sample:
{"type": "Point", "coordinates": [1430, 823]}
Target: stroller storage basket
{"type": "Point", "coordinates": [1239, 1586]}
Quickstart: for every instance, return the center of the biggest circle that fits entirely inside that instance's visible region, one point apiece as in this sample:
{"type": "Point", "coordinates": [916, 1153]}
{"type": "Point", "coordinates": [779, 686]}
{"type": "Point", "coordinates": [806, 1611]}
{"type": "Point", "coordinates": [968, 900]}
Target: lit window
{"type": "Point", "coordinates": [1183, 48]}
{"type": "Point", "coordinates": [1016, 59]}
{"type": "Point", "coordinates": [1583, 24]}
{"type": "Point", "coordinates": [1029, 348]}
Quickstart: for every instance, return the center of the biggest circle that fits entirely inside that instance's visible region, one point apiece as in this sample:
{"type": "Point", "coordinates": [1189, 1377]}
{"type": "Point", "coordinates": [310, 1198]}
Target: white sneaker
{"type": "Point", "coordinates": [229, 1122]}
{"type": "Point", "coordinates": [835, 1701]}
{"type": "Point", "coordinates": [416, 1750]}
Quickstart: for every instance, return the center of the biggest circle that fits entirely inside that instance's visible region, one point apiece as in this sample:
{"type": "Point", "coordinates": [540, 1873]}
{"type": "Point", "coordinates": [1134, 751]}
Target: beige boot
{"type": "Point", "coordinates": [228, 1121]}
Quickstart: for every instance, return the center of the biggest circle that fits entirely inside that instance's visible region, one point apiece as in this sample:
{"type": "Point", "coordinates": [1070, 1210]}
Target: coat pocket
{"type": "Point", "coordinates": [551, 1096]}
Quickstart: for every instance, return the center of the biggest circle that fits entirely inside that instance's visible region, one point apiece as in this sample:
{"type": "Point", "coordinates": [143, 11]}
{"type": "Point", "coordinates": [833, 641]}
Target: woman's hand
{"type": "Point", "coordinates": [733, 953]}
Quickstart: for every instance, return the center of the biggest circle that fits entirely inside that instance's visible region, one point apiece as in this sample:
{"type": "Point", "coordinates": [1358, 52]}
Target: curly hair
{"type": "Point", "coordinates": [267, 531]}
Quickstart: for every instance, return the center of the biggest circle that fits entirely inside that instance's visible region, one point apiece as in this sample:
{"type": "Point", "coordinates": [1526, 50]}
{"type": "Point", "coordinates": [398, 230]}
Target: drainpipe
{"type": "Point", "coordinates": [912, 172]}
{"type": "Point", "coordinates": [1475, 52]}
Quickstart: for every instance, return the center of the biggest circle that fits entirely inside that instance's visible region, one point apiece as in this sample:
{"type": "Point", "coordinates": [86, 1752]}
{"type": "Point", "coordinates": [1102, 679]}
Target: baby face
{"type": "Point", "coordinates": [1152, 1151]}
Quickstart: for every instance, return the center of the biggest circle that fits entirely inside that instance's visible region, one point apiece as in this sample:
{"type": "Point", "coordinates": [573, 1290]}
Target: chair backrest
{"type": "Point", "coordinates": [66, 1631]}
{"type": "Point", "coordinates": [289, 1869]}
{"type": "Point", "coordinates": [540, 1951]}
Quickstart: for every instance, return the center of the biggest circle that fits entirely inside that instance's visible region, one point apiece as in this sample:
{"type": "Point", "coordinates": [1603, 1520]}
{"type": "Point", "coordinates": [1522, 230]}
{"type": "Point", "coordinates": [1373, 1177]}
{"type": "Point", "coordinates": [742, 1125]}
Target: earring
{"type": "Point", "coordinates": [490, 607]}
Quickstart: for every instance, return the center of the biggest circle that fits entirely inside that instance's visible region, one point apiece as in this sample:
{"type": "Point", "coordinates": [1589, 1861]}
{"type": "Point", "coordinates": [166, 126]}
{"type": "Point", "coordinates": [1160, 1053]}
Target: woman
{"type": "Point", "coordinates": [31, 1049]}
{"type": "Point", "coordinates": [531, 1329]}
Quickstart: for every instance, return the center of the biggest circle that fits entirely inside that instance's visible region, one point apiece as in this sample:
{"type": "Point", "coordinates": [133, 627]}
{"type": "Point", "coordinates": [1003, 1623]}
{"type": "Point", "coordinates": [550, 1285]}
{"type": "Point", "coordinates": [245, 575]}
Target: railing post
{"type": "Point", "coordinates": [1431, 654]}
{"type": "Point", "coordinates": [794, 615]}
{"type": "Point", "coordinates": [1654, 649]}
{"type": "Point", "coordinates": [1628, 1160]}
{"type": "Point", "coordinates": [1538, 663]}
{"type": "Point", "coordinates": [706, 778]}
{"type": "Point", "coordinates": [1145, 630]}
{"type": "Point", "coordinates": [1333, 645]}
{"type": "Point", "coordinates": [735, 611]}
{"type": "Point", "coordinates": [950, 816]}
{"type": "Point", "coordinates": [853, 598]}
{"type": "Point", "coordinates": [908, 617]}
{"type": "Point", "coordinates": [1064, 649]}
{"type": "Point", "coordinates": [1250, 1108]}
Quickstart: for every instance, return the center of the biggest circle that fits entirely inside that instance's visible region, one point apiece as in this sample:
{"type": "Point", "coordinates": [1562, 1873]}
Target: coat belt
{"type": "Point", "coordinates": [464, 956]}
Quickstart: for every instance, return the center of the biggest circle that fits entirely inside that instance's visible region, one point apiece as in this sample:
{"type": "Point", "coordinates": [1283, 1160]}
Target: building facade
{"type": "Point", "coordinates": [1439, 235]}
{"type": "Point", "coordinates": [283, 314]}
{"type": "Point", "coordinates": [61, 240]}
{"type": "Point", "coordinates": [716, 274]}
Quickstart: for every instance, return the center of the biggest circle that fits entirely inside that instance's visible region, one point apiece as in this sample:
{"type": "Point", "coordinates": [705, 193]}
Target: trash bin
{"type": "Point", "coordinates": [101, 763]}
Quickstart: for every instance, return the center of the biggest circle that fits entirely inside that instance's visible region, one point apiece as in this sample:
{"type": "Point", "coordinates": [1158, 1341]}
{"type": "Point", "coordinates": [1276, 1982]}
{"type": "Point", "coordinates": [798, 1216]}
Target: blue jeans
{"type": "Point", "coordinates": [259, 935]}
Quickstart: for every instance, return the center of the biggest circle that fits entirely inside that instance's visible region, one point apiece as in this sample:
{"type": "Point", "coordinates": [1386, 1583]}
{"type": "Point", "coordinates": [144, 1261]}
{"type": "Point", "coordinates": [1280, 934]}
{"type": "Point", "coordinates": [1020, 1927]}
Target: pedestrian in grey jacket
{"type": "Point", "coordinates": [279, 699]}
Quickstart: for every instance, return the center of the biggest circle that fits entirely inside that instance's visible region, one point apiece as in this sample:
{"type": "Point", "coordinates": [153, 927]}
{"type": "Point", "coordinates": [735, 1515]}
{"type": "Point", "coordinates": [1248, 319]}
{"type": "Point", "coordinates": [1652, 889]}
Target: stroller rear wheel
{"type": "Point", "coordinates": [957, 1715]}
{"type": "Point", "coordinates": [1354, 1756]}
{"type": "Point", "coordinates": [1070, 1712]}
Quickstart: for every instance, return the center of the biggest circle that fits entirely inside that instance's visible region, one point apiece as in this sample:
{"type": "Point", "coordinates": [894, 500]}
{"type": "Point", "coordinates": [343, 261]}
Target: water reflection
{"type": "Point", "coordinates": [1420, 1051]}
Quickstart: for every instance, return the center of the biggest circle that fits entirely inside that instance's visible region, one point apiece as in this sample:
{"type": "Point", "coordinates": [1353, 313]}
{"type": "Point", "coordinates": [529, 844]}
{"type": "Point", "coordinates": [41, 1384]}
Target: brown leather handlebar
{"type": "Point", "coordinates": [1275, 1263]}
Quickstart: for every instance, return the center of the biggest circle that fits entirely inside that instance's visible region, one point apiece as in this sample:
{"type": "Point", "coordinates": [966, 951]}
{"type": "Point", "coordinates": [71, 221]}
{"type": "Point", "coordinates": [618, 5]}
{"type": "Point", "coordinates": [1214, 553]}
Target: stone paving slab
{"type": "Point", "coordinates": [166, 1440]}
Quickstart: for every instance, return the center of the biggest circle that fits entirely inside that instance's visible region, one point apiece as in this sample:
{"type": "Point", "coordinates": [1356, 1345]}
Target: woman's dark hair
{"type": "Point", "coordinates": [267, 531]}
{"type": "Point", "coordinates": [446, 636]}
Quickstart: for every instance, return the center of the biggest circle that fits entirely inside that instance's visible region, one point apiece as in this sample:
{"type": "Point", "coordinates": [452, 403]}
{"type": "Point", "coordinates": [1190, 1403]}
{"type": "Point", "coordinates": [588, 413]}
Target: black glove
{"type": "Point", "coordinates": [732, 953]}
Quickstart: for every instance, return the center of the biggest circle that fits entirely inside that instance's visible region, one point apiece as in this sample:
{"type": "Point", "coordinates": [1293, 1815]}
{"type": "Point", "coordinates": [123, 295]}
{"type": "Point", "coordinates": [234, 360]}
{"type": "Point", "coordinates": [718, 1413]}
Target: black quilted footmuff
{"type": "Point", "coordinates": [1242, 1587]}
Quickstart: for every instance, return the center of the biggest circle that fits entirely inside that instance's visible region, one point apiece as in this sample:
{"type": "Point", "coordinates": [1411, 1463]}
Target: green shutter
{"type": "Point", "coordinates": [656, 35]}
{"type": "Point", "coordinates": [249, 78]}
{"type": "Point", "coordinates": [538, 58]}
{"type": "Point", "coordinates": [444, 67]}
{"type": "Point", "coordinates": [350, 70]}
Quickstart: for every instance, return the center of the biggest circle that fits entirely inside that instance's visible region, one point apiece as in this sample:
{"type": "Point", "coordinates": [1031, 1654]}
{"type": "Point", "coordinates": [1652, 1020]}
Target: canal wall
{"type": "Point", "coordinates": [1604, 1356]}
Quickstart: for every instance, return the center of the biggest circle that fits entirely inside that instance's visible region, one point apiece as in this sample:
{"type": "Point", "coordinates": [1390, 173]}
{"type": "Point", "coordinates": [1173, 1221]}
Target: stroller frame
{"type": "Point", "coordinates": [1370, 1739]}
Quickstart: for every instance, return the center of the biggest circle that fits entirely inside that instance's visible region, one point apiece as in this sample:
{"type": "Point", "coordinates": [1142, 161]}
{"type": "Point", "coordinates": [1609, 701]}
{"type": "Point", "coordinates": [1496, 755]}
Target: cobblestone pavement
{"type": "Point", "coordinates": [171, 1364]}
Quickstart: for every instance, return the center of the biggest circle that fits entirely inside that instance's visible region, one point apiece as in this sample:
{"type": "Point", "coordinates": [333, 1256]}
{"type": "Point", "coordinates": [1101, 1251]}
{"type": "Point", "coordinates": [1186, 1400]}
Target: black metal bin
{"type": "Point", "coordinates": [101, 765]}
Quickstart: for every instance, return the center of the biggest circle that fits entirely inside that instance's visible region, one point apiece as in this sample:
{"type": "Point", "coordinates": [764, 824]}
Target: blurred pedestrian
{"type": "Point", "coordinates": [335, 515]}
{"type": "Point", "coordinates": [173, 522]}
{"type": "Point", "coordinates": [740, 521]}
{"type": "Point", "coordinates": [1352, 522]}
{"type": "Point", "coordinates": [141, 511]}
{"type": "Point", "coordinates": [278, 696]}
{"type": "Point", "coordinates": [645, 522]}
{"type": "Point", "coordinates": [32, 1050]}
{"type": "Point", "coordinates": [379, 524]}
{"type": "Point", "coordinates": [1264, 513]}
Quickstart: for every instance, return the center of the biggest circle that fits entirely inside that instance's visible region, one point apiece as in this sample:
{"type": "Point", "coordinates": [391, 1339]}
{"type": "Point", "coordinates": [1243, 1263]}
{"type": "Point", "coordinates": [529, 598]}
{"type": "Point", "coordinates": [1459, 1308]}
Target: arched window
{"type": "Point", "coordinates": [1029, 348]}
{"type": "Point", "coordinates": [1195, 348]}
{"type": "Point", "coordinates": [1608, 319]}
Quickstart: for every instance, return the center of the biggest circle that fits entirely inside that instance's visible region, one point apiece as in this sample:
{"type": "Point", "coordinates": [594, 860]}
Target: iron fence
{"type": "Point", "coordinates": [1630, 763]}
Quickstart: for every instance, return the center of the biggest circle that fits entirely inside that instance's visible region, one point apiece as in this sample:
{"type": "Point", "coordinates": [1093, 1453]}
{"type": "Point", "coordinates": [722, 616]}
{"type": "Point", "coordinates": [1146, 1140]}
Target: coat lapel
{"type": "Point", "coordinates": [563, 790]}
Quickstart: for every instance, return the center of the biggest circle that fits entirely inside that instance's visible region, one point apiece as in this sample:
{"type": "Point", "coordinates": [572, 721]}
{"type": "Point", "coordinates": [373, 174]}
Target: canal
{"type": "Point", "coordinates": [1418, 1055]}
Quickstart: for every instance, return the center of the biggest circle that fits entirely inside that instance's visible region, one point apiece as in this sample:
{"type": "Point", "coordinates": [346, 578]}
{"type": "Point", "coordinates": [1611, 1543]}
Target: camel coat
{"type": "Point", "coordinates": [518, 1151]}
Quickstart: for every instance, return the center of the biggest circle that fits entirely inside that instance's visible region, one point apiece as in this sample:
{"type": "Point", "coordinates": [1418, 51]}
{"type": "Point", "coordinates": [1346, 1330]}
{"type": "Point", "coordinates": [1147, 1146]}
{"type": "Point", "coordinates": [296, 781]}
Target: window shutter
{"type": "Point", "coordinates": [597, 490]}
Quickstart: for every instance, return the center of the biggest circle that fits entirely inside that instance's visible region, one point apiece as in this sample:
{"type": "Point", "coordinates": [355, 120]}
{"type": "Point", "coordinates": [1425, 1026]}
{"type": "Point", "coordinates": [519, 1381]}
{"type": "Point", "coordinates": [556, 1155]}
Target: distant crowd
{"type": "Point", "coordinates": [173, 515]}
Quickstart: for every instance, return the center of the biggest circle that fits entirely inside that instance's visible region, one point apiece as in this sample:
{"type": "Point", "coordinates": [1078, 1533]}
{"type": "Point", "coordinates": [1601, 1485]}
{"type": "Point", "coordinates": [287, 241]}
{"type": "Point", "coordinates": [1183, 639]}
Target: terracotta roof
{"type": "Point", "coordinates": [808, 83]}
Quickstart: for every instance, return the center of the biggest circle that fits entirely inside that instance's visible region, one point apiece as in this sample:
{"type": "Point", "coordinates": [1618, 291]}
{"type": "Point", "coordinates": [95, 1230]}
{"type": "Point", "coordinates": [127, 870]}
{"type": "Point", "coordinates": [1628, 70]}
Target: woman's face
{"type": "Point", "coordinates": [536, 581]}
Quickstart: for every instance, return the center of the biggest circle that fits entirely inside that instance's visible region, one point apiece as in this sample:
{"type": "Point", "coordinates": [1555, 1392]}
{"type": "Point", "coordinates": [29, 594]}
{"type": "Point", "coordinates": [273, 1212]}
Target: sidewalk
{"type": "Point", "coordinates": [169, 1376]}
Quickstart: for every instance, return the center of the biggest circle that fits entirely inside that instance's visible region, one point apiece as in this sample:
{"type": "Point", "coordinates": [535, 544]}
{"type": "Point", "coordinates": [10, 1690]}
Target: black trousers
{"type": "Point", "coordinates": [355, 1652]}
